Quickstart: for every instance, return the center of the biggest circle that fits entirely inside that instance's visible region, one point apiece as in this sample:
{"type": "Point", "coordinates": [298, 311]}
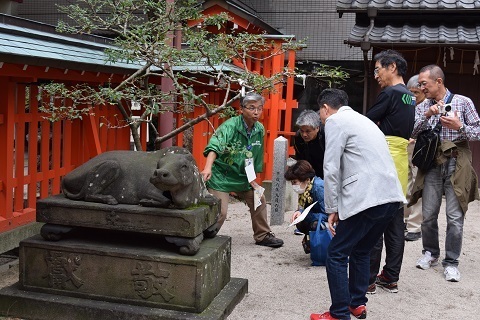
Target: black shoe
{"type": "Point", "coordinates": [270, 241]}
{"type": "Point", "coordinates": [413, 236]}
{"type": "Point", "coordinates": [306, 244]}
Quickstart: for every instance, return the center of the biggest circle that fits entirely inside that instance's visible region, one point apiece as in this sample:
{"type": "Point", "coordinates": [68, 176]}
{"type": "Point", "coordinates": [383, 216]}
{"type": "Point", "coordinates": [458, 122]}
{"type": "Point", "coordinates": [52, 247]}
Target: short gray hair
{"type": "Point", "coordinates": [308, 118]}
{"type": "Point", "coordinates": [252, 96]}
{"type": "Point", "coordinates": [435, 72]}
{"type": "Point", "coordinates": [413, 82]}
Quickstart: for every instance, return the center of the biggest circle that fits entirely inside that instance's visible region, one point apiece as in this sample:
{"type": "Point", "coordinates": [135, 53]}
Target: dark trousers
{"type": "Point", "coordinates": [350, 247]}
{"type": "Point", "coordinates": [394, 246]}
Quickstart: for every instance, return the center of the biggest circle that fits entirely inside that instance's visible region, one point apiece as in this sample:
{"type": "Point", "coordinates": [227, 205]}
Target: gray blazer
{"type": "Point", "coordinates": [359, 170]}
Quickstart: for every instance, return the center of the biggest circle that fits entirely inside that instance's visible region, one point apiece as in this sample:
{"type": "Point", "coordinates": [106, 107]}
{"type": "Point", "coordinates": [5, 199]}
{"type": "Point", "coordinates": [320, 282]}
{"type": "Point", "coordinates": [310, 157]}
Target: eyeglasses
{"type": "Point", "coordinates": [422, 84]}
{"type": "Point", "coordinates": [375, 71]}
{"type": "Point", "coordinates": [259, 109]}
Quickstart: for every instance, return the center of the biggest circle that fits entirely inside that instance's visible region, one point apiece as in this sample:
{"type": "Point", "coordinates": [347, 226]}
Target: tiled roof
{"type": "Point", "coordinates": [359, 5]}
{"type": "Point", "coordinates": [449, 22]}
{"type": "Point", "coordinates": [420, 35]}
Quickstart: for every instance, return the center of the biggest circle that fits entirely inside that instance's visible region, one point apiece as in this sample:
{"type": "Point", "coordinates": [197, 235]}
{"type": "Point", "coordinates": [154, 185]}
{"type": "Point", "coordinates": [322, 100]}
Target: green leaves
{"type": "Point", "coordinates": [330, 75]}
{"type": "Point", "coordinates": [58, 102]}
{"type": "Point", "coordinates": [172, 43]}
{"type": "Point", "coordinates": [235, 150]}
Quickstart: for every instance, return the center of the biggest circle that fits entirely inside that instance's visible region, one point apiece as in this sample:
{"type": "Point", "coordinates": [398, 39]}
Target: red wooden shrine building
{"type": "Point", "coordinates": [37, 153]}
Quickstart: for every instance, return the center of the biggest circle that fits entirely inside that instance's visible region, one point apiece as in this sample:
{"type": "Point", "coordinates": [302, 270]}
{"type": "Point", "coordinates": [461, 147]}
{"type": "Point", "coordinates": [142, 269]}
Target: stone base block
{"type": "Point", "coordinates": [18, 303]}
{"type": "Point", "coordinates": [126, 271]}
{"type": "Point", "coordinates": [134, 218]}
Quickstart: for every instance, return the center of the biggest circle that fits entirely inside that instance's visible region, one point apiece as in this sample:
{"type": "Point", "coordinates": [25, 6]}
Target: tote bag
{"type": "Point", "coordinates": [319, 241]}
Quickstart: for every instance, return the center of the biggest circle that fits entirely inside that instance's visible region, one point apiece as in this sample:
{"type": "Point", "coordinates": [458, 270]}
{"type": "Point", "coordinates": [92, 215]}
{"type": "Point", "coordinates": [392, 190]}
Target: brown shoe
{"type": "Point", "coordinates": [270, 241]}
{"type": "Point", "coordinates": [372, 289]}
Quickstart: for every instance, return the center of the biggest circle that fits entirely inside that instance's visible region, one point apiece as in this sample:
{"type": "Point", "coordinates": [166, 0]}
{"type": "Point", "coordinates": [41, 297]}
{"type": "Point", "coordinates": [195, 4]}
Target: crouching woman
{"type": "Point", "coordinates": [309, 189]}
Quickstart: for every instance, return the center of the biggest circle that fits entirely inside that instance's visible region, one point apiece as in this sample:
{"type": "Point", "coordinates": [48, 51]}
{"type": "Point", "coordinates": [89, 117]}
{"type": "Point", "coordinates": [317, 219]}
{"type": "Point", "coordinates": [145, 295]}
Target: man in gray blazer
{"type": "Point", "coordinates": [362, 194]}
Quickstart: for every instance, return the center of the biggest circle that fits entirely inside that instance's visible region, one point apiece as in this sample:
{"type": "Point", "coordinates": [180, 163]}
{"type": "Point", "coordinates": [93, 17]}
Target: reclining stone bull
{"type": "Point", "coordinates": [131, 177]}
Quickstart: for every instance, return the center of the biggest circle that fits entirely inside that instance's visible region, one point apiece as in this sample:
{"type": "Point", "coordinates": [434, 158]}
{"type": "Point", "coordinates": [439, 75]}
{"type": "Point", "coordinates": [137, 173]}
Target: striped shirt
{"type": "Point", "coordinates": [465, 111]}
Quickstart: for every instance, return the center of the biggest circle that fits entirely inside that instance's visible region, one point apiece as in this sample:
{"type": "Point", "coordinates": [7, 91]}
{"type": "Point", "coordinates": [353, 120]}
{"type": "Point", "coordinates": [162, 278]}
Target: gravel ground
{"type": "Point", "coordinates": [282, 284]}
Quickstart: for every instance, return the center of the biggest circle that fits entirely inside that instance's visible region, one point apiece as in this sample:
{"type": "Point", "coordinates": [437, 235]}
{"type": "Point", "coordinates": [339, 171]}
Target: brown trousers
{"type": "Point", "coordinates": [259, 217]}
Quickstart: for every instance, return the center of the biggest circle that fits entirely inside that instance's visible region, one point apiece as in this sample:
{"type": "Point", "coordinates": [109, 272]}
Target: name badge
{"type": "Point", "coordinates": [250, 170]}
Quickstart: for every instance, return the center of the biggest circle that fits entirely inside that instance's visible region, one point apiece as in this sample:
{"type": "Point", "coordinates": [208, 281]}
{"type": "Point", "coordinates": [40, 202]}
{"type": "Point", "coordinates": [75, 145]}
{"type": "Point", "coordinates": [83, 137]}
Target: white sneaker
{"type": "Point", "coordinates": [427, 261]}
{"type": "Point", "coordinates": [452, 274]}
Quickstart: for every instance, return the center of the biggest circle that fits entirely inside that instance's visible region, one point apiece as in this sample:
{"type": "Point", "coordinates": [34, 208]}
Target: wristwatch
{"type": "Point", "coordinates": [461, 129]}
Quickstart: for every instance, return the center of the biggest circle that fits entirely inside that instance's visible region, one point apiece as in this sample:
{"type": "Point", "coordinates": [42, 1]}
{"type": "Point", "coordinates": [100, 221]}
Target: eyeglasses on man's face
{"type": "Point", "coordinates": [424, 84]}
{"type": "Point", "coordinates": [375, 71]}
{"type": "Point", "coordinates": [253, 109]}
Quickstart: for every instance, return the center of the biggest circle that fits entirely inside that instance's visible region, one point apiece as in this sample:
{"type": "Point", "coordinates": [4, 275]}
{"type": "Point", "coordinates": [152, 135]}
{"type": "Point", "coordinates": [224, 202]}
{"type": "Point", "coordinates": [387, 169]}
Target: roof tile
{"type": "Point", "coordinates": [417, 34]}
{"type": "Point", "coordinates": [356, 5]}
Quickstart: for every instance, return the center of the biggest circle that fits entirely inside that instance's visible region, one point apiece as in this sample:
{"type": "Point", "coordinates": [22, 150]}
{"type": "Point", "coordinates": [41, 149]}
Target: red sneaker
{"type": "Point", "coordinates": [323, 316]}
{"type": "Point", "coordinates": [359, 312]}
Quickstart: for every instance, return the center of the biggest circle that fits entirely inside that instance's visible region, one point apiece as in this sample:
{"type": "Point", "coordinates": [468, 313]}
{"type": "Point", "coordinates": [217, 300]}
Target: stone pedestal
{"type": "Point", "coordinates": [161, 221]}
{"type": "Point", "coordinates": [89, 274]}
{"type": "Point", "coordinates": [120, 262]}
{"type": "Point", "coordinates": [184, 228]}
{"type": "Point", "coordinates": [128, 273]}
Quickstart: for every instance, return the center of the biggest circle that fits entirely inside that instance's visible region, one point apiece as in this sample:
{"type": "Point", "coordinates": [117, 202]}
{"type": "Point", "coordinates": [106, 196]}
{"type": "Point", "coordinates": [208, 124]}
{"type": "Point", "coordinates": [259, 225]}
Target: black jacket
{"type": "Point", "coordinates": [312, 151]}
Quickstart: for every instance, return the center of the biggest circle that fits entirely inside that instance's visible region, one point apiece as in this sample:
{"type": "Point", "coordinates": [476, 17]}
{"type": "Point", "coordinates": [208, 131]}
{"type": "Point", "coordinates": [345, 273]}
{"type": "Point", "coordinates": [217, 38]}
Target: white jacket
{"type": "Point", "coordinates": [358, 168]}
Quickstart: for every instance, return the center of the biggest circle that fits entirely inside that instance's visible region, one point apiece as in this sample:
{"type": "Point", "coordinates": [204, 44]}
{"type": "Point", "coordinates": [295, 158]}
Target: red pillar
{"type": "Point", "coordinates": [7, 124]}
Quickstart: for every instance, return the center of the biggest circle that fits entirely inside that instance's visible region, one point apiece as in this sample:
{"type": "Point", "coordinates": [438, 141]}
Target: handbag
{"type": "Point", "coordinates": [319, 241]}
{"type": "Point", "coordinates": [425, 150]}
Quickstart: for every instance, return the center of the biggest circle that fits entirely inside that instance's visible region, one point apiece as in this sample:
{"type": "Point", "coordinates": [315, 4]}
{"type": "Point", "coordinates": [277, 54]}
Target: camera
{"type": "Point", "coordinates": [445, 108]}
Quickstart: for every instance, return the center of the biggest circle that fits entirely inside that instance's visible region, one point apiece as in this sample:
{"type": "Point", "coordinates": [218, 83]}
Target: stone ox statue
{"type": "Point", "coordinates": [133, 177]}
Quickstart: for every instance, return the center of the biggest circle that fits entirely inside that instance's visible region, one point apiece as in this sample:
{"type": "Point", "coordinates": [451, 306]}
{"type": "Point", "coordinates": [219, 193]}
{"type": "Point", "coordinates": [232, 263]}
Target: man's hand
{"type": "Point", "coordinates": [332, 222]}
{"type": "Point", "coordinates": [206, 174]}
{"type": "Point", "coordinates": [452, 122]}
{"type": "Point", "coordinates": [207, 171]}
{"type": "Point", "coordinates": [434, 109]}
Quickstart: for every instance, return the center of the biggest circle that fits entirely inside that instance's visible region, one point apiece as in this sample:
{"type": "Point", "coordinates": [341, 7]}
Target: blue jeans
{"type": "Point", "coordinates": [354, 239]}
{"type": "Point", "coordinates": [437, 182]}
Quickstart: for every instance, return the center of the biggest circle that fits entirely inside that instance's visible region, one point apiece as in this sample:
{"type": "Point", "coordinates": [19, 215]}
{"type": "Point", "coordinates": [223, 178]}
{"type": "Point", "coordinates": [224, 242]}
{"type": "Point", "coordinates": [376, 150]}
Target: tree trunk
{"type": "Point", "coordinates": [136, 135]}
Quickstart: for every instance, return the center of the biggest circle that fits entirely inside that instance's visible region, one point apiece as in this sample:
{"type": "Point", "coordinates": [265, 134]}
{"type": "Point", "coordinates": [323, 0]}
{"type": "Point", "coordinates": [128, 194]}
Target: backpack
{"type": "Point", "coordinates": [425, 150]}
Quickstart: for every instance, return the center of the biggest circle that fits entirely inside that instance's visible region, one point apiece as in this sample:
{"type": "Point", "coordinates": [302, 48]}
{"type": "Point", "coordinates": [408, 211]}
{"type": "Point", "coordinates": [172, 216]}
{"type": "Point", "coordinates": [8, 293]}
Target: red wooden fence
{"type": "Point", "coordinates": [36, 153]}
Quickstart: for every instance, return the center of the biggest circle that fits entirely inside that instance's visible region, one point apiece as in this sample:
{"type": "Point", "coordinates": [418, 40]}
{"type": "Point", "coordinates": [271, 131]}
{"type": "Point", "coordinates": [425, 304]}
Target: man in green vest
{"type": "Point", "coordinates": [237, 146]}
